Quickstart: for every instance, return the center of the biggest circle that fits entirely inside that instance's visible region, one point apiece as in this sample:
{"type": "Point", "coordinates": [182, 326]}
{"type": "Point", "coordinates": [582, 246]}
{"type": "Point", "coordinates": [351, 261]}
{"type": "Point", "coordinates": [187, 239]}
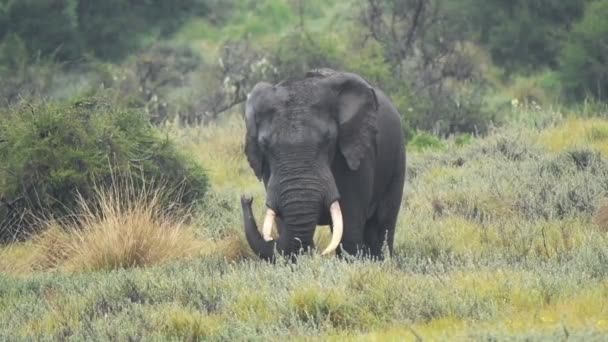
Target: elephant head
{"type": "Point", "coordinates": [295, 130]}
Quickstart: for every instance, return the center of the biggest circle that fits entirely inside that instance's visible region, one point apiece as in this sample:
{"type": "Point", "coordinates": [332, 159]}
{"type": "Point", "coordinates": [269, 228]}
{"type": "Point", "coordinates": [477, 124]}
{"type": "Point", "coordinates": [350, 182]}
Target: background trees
{"type": "Point", "coordinates": [452, 66]}
{"type": "Point", "coordinates": [584, 55]}
{"type": "Point", "coordinates": [522, 35]}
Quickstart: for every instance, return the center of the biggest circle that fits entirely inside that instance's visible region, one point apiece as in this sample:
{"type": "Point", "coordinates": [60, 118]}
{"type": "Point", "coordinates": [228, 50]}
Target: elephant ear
{"type": "Point", "coordinates": [255, 157]}
{"type": "Point", "coordinates": [356, 107]}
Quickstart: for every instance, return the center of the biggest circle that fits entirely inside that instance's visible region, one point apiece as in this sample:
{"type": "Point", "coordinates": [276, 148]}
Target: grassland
{"type": "Point", "coordinates": [500, 238]}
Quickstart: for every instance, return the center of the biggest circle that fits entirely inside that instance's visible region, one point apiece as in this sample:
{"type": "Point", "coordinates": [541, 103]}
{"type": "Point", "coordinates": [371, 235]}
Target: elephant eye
{"type": "Point", "coordinates": [264, 142]}
{"type": "Point", "coordinates": [326, 136]}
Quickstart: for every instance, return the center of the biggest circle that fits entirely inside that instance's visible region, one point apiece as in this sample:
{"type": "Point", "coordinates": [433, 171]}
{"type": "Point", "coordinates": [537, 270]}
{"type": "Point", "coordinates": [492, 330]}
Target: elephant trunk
{"type": "Point", "coordinates": [262, 248]}
{"type": "Point", "coordinates": [300, 202]}
{"type": "Point", "coordinates": [299, 217]}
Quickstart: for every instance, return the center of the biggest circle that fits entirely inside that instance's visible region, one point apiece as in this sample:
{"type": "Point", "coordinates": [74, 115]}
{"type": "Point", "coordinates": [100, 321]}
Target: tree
{"type": "Point", "coordinates": [521, 34]}
{"type": "Point", "coordinates": [49, 28]}
{"type": "Point", "coordinates": [108, 29]}
{"type": "Point", "coordinates": [435, 84]}
{"type": "Point", "coordinates": [584, 61]}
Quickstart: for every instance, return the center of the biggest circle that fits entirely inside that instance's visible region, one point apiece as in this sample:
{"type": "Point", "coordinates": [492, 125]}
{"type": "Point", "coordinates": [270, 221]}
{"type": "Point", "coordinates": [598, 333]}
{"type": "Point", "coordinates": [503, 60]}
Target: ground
{"type": "Point", "coordinates": [499, 237]}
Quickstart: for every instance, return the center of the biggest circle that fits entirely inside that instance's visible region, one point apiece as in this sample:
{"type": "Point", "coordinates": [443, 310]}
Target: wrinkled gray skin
{"type": "Point", "coordinates": [329, 136]}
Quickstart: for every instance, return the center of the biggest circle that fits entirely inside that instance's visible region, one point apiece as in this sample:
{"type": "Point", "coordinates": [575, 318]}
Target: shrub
{"type": "Point", "coordinates": [584, 68]}
{"type": "Point", "coordinates": [52, 152]}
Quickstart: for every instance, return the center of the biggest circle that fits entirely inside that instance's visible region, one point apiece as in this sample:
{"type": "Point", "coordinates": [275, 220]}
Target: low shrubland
{"type": "Point", "coordinates": [499, 237]}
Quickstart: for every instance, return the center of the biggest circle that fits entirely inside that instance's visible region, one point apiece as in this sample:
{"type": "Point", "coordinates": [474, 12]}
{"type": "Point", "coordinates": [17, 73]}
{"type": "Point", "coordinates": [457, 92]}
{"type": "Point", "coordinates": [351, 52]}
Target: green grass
{"type": "Point", "coordinates": [496, 240]}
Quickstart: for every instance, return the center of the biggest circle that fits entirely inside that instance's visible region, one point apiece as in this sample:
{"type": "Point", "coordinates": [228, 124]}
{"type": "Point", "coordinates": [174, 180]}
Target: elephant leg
{"type": "Point", "coordinates": [381, 227]}
{"type": "Point", "coordinates": [375, 233]}
{"type": "Point", "coordinates": [356, 191]}
{"type": "Point", "coordinates": [353, 242]}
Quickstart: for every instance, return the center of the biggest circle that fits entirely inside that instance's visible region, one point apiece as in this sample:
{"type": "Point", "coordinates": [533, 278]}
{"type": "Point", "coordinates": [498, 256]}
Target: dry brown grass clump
{"type": "Point", "coordinates": [601, 217]}
{"type": "Point", "coordinates": [122, 228]}
{"type": "Point", "coordinates": [129, 230]}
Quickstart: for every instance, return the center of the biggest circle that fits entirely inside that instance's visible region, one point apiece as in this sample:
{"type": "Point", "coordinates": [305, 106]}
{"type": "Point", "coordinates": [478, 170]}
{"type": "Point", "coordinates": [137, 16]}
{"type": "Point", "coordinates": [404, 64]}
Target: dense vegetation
{"type": "Point", "coordinates": [452, 66]}
{"type": "Point", "coordinates": [121, 165]}
{"type": "Point", "coordinates": [54, 156]}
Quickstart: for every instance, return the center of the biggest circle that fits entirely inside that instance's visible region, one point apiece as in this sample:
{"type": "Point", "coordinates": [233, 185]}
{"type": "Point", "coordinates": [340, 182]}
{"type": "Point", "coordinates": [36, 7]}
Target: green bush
{"type": "Point", "coordinates": [584, 68]}
{"type": "Point", "coordinates": [52, 152]}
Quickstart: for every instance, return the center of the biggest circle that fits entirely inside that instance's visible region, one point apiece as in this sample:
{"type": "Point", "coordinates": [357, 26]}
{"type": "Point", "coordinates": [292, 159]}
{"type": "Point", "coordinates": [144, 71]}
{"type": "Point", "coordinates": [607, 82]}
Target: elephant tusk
{"type": "Point", "coordinates": [338, 227]}
{"type": "Point", "coordinates": [268, 222]}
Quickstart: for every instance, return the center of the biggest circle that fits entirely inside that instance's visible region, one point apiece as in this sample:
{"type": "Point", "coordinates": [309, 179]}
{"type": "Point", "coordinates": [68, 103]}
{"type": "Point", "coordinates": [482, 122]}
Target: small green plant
{"type": "Point", "coordinates": [599, 133]}
{"type": "Point", "coordinates": [188, 325]}
{"type": "Point", "coordinates": [463, 139]}
{"type": "Point", "coordinates": [320, 307]}
{"type": "Point", "coordinates": [425, 141]}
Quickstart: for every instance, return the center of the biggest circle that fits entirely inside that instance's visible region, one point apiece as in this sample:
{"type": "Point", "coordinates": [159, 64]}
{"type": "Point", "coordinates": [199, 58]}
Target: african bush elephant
{"type": "Point", "coordinates": [330, 150]}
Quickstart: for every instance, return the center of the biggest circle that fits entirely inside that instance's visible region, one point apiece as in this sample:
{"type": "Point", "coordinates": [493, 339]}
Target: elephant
{"type": "Point", "coordinates": [330, 150]}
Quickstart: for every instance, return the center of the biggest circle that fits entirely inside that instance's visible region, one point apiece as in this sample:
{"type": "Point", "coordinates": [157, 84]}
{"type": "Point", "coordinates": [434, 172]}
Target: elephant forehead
{"type": "Point", "coordinates": [264, 97]}
{"type": "Point", "coordinates": [300, 128]}
{"type": "Point", "coordinates": [304, 92]}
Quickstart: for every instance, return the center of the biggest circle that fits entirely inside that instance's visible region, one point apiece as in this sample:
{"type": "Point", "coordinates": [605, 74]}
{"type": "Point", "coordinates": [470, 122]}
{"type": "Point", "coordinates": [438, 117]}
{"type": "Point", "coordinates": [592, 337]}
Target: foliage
{"type": "Point", "coordinates": [435, 82]}
{"type": "Point", "coordinates": [22, 77]}
{"type": "Point", "coordinates": [71, 29]}
{"type": "Point", "coordinates": [583, 68]}
{"type": "Point", "coordinates": [151, 79]}
{"type": "Point", "coordinates": [49, 28]}
{"type": "Point", "coordinates": [521, 35]}
{"type": "Point", "coordinates": [422, 141]}
{"type": "Point", "coordinates": [51, 152]}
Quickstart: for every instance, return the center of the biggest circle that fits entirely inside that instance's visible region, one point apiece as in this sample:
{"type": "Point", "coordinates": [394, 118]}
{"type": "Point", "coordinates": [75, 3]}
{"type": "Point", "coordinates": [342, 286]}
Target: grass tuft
{"type": "Point", "coordinates": [129, 229]}
{"type": "Point", "coordinates": [190, 325]}
{"type": "Point", "coordinates": [576, 134]}
{"type": "Point", "coordinates": [121, 228]}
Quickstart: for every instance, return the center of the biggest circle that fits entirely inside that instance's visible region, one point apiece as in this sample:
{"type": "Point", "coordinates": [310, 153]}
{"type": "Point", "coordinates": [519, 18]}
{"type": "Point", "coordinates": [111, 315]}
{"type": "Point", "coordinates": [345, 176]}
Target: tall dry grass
{"type": "Point", "coordinates": [121, 228]}
{"type": "Point", "coordinates": [129, 228]}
